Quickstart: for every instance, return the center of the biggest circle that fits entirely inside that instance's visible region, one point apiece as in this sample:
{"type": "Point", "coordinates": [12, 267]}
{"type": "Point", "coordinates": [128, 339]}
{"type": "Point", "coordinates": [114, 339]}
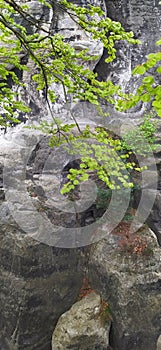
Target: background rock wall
{"type": "Point", "coordinates": [144, 19]}
{"type": "Point", "coordinates": [40, 282]}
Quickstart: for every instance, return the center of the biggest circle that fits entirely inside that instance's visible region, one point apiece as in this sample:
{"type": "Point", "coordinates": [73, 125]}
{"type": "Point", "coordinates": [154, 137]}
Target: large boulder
{"type": "Point", "coordinates": [81, 327]}
{"type": "Point", "coordinates": [38, 284]}
{"type": "Point", "coordinates": [130, 281]}
{"type": "Point", "coordinates": [159, 343]}
{"type": "Point", "coordinates": [38, 281]}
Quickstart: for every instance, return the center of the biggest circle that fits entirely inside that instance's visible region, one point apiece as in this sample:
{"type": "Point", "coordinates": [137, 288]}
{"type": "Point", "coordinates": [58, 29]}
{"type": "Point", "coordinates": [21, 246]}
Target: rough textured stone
{"type": "Point", "coordinates": [159, 343]}
{"type": "Point", "coordinates": [140, 17]}
{"type": "Point", "coordinates": [81, 327]}
{"type": "Point", "coordinates": [38, 284]}
{"type": "Point", "coordinates": [131, 284]}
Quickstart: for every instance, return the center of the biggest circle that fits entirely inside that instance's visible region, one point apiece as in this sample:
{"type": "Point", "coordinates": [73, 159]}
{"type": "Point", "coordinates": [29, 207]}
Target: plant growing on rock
{"type": "Point", "coordinates": [142, 140]}
{"type": "Point", "coordinates": [130, 242]}
{"type": "Point", "coordinates": [56, 61]}
{"type": "Point", "coordinates": [64, 67]}
{"type": "Point", "coordinates": [149, 90]}
{"type": "Point", "coordinates": [105, 312]}
{"type": "Point", "coordinates": [85, 288]}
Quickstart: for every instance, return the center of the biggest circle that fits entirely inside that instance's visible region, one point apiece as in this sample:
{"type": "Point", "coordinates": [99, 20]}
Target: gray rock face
{"type": "Point", "coordinates": [159, 343]}
{"type": "Point", "coordinates": [131, 284]}
{"type": "Point", "coordinates": [81, 327]}
{"type": "Point", "coordinates": [38, 283]}
{"type": "Point", "coordinates": [144, 19]}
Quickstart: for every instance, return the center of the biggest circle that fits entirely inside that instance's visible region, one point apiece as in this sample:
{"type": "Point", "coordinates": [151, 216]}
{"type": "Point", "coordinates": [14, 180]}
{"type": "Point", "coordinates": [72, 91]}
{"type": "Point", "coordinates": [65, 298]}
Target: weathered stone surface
{"type": "Point", "coordinates": [149, 188]}
{"type": "Point", "coordinates": [144, 19]}
{"type": "Point", "coordinates": [81, 327]}
{"type": "Point", "coordinates": [131, 284]}
{"type": "Point", "coordinates": [154, 218]}
{"type": "Point", "coordinates": [38, 283]}
{"type": "Point", "coordinates": [159, 343]}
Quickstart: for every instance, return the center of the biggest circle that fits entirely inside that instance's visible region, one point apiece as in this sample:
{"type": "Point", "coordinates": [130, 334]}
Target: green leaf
{"type": "Point", "coordinates": [84, 177]}
{"type": "Point", "coordinates": [150, 63]}
{"type": "Point", "coordinates": [146, 98]}
{"type": "Point", "coordinates": [156, 104]}
{"type": "Point", "coordinates": [148, 80]}
{"type": "Point", "coordinates": [158, 56]}
{"type": "Point", "coordinates": [158, 69]}
{"type": "Point", "coordinates": [157, 91]}
{"type": "Point", "coordinates": [159, 112]}
{"type": "Point", "coordinates": [75, 182]}
{"type": "Point", "coordinates": [158, 42]}
{"type": "Point", "coordinates": [139, 70]}
{"type": "Point", "coordinates": [151, 56]}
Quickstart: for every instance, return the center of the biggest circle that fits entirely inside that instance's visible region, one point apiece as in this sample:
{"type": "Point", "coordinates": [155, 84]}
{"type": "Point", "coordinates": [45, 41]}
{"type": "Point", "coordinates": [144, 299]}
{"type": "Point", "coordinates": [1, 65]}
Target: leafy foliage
{"type": "Point", "coordinates": [141, 140]}
{"type": "Point", "coordinates": [150, 89]}
{"type": "Point", "coordinates": [56, 61]}
{"type": "Point", "coordinates": [103, 197]}
{"type": "Point", "coordinates": [99, 152]}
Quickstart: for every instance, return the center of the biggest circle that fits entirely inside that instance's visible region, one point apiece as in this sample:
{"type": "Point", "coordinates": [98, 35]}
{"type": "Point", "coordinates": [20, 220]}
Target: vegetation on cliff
{"type": "Point", "coordinates": [56, 61]}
